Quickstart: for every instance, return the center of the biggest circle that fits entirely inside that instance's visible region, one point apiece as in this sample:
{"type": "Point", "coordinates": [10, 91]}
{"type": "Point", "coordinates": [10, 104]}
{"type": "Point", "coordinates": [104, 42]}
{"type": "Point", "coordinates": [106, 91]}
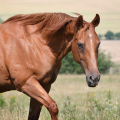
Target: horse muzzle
{"type": "Point", "coordinates": [93, 80]}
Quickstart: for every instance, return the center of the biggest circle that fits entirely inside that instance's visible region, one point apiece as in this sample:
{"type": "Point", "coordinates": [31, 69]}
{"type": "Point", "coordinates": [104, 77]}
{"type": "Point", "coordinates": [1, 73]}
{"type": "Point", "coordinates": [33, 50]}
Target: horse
{"type": "Point", "coordinates": [32, 47]}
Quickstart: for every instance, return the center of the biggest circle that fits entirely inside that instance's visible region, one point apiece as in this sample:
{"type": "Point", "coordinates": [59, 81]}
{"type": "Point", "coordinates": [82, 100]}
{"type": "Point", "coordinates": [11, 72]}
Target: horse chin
{"type": "Point", "coordinates": [93, 85]}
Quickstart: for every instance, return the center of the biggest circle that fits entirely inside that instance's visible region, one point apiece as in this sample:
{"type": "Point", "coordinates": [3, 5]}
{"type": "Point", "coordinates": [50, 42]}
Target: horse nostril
{"type": "Point", "coordinates": [99, 77]}
{"type": "Point", "coordinates": [90, 79]}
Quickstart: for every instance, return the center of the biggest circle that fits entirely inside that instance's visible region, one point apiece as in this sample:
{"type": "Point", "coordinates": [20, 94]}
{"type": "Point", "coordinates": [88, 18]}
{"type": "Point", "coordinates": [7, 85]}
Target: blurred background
{"type": "Point", "coordinates": [75, 100]}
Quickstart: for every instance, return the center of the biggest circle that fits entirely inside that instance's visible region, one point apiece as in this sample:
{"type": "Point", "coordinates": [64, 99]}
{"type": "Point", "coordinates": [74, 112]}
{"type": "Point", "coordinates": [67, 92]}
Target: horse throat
{"type": "Point", "coordinates": [65, 51]}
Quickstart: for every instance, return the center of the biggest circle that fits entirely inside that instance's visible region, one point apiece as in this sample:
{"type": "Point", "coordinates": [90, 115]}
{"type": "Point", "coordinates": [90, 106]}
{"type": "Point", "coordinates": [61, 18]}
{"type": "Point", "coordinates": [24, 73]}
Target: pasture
{"type": "Point", "coordinates": [109, 11]}
{"type": "Point", "coordinates": [112, 47]}
{"type": "Point", "coordinates": [75, 100]}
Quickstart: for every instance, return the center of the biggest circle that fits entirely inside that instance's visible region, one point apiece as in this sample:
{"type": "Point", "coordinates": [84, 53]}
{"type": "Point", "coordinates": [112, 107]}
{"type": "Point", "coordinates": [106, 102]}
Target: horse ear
{"type": "Point", "coordinates": [96, 20]}
{"type": "Point", "coordinates": [79, 22]}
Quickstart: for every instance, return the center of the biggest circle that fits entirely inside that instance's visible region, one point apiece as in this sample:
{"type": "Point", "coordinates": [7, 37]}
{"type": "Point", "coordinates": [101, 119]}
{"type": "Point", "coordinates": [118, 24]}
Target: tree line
{"type": "Point", "coordinates": [1, 20]}
{"type": "Point", "coordinates": [109, 35]}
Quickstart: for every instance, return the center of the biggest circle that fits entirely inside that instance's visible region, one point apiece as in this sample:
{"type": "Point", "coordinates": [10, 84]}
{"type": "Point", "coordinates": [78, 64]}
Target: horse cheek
{"type": "Point", "coordinates": [75, 52]}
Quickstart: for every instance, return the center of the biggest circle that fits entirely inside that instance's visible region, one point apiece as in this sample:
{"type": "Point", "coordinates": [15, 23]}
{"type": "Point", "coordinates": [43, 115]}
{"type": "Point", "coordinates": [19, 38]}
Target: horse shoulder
{"type": "Point", "coordinates": [27, 56]}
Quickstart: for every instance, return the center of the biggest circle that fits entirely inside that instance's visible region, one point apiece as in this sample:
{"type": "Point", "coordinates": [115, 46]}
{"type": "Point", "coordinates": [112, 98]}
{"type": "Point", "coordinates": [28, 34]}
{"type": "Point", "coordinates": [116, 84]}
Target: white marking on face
{"type": "Point", "coordinates": [91, 37]}
{"type": "Point", "coordinates": [92, 50]}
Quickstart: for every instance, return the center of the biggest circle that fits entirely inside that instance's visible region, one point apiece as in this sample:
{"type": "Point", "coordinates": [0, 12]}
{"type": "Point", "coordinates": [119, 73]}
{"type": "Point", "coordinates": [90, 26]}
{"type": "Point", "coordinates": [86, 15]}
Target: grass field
{"type": "Point", "coordinates": [75, 100]}
{"type": "Point", "coordinates": [112, 47]}
{"type": "Point", "coordinates": [109, 10]}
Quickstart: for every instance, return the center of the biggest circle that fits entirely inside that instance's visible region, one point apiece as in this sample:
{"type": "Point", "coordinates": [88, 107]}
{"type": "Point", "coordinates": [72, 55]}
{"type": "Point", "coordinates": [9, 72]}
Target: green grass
{"type": "Point", "coordinates": [109, 10]}
{"type": "Point", "coordinates": [75, 100]}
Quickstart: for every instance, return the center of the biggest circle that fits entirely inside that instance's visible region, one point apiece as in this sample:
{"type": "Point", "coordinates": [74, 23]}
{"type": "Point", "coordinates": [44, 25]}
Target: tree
{"type": "Point", "coordinates": [100, 36]}
{"type": "Point", "coordinates": [117, 35]}
{"type": "Point", "coordinates": [70, 66]}
{"type": "Point", "coordinates": [104, 62]}
{"type": "Point", "coordinates": [110, 35]}
{"type": "Point", "coordinates": [1, 20]}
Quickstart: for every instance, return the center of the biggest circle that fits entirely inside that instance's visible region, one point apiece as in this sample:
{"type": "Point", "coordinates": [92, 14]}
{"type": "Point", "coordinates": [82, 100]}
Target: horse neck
{"type": "Point", "coordinates": [61, 45]}
{"type": "Point", "coordinates": [61, 42]}
{"type": "Point", "coordinates": [67, 39]}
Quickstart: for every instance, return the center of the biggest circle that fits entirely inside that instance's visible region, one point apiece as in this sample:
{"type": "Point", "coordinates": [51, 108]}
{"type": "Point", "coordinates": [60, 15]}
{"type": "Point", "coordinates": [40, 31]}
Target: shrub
{"type": "Point", "coordinates": [2, 101]}
{"type": "Point", "coordinates": [69, 65]}
{"type": "Point", "coordinates": [100, 36]}
{"type": "Point", "coordinates": [110, 35]}
{"type": "Point", "coordinates": [104, 62]}
{"type": "Point", "coordinates": [117, 35]}
{"type": "Point", "coordinates": [12, 103]}
{"type": "Point", "coordinates": [69, 111]}
{"type": "Point", "coordinates": [1, 20]}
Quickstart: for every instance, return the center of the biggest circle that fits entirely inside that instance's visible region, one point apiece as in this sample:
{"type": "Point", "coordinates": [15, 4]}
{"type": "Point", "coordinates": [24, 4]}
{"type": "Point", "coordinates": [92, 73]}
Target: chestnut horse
{"type": "Point", "coordinates": [31, 51]}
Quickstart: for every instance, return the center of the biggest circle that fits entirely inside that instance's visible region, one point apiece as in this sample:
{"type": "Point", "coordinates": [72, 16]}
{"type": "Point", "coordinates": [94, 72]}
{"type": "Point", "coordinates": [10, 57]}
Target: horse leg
{"type": "Point", "coordinates": [33, 89]}
{"type": "Point", "coordinates": [34, 110]}
{"type": "Point", "coordinates": [35, 106]}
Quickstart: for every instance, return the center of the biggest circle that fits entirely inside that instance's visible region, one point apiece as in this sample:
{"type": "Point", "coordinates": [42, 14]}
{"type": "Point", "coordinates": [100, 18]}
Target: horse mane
{"type": "Point", "coordinates": [76, 13]}
{"type": "Point", "coordinates": [48, 23]}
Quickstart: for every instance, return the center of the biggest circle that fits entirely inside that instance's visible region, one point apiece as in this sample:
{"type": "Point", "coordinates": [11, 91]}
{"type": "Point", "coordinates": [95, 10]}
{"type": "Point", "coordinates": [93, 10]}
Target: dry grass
{"type": "Point", "coordinates": [109, 10]}
{"type": "Point", "coordinates": [73, 86]}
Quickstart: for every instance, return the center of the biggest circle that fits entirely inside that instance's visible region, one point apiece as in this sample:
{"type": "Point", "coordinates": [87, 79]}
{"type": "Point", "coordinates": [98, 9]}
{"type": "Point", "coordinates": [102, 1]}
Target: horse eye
{"type": "Point", "coordinates": [80, 45]}
{"type": "Point", "coordinates": [98, 45]}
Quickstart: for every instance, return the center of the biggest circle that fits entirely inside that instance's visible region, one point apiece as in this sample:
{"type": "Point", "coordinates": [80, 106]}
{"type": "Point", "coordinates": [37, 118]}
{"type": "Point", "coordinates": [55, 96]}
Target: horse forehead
{"type": "Point", "coordinates": [93, 41]}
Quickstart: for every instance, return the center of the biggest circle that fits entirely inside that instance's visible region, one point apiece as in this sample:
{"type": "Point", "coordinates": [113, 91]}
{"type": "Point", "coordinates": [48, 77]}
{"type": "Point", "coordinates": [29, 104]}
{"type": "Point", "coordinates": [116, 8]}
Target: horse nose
{"type": "Point", "coordinates": [99, 77]}
{"type": "Point", "coordinates": [94, 79]}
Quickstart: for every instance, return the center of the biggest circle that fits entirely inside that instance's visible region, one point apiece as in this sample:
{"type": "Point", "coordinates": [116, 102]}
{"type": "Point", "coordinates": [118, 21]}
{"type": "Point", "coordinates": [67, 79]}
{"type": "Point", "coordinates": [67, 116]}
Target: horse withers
{"type": "Point", "coordinates": [31, 51]}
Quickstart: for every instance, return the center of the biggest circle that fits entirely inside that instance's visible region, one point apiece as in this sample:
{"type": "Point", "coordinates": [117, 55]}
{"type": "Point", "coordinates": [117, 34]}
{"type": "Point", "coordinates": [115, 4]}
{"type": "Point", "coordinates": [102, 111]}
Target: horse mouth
{"type": "Point", "coordinates": [92, 85]}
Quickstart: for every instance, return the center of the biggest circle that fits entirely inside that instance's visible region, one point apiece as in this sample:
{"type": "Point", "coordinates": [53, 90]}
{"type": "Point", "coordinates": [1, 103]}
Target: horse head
{"type": "Point", "coordinates": [85, 45]}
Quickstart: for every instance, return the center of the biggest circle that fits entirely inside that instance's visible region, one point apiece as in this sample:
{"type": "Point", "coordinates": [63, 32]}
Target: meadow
{"type": "Point", "coordinates": [111, 47]}
{"type": "Point", "coordinates": [75, 100]}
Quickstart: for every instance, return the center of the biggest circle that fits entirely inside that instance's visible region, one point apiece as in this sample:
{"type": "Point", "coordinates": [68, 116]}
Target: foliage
{"type": "Point", "coordinates": [110, 35]}
{"type": "Point", "coordinates": [12, 107]}
{"type": "Point", "coordinates": [12, 103]}
{"type": "Point", "coordinates": [2, 101]}
{"type": "Point", "coordinates": [94, 109]}
{"type": "Point", "coordinates": [117, 35]}
{"type": "Point", "coordinates": [68, 110]}
{"type": "Point", "coordinates": [100, 36]}
{"type": "Point", "coordinates": [1, 20]}
{"type": "Point", "coordinates": [69, 65]}
{"type": "Point", "coordinates": [106, 110]}
{"type": "Point", "coordinates": [104, 62]}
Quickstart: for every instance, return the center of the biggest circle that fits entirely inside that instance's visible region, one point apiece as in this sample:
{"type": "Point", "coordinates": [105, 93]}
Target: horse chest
{"type": "Point", "coordinates": [50, 76]}
{"type": "Point", "coordinates": [45, 77]}
{"type": "Point", "coordinates": [44, 71]}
